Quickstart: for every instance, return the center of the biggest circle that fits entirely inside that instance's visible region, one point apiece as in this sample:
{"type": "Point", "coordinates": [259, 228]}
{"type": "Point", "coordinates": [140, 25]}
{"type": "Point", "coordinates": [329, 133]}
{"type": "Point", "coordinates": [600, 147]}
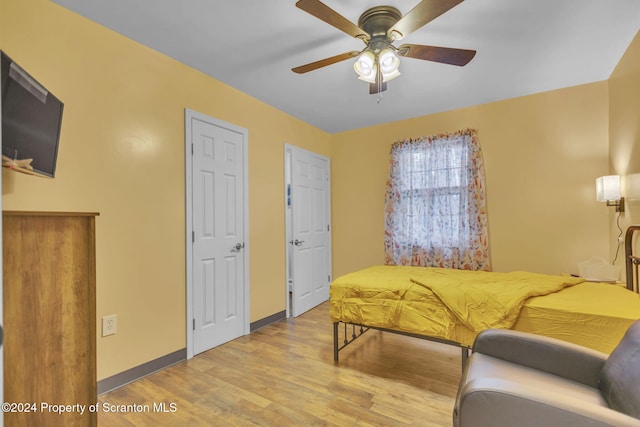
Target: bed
{"type": "Point", "coordinates": [453, 306]}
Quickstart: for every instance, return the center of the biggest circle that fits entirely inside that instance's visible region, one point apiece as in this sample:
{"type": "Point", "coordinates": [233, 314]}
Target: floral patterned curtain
{"type": "Point", "coordinates": [435, 213]}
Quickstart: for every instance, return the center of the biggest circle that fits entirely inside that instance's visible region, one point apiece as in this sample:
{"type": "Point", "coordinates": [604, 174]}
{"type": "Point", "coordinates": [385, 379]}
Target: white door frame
{"type": "Point", "coordinates": [288, 288]}
{"type": "Point", "coordinates": [288, 148]}
{"type": "Point", "coordinates": [189, 115]}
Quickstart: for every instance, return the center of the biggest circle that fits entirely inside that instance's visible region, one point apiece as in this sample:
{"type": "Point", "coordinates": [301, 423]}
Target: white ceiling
{"type": "Point", "coordinates": [524, 47]}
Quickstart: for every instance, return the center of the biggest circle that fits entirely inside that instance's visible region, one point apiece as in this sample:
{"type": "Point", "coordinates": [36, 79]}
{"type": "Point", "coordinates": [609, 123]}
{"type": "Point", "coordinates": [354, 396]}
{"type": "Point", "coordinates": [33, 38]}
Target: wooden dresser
{"type": "Point", "coordinates": [49, 317]}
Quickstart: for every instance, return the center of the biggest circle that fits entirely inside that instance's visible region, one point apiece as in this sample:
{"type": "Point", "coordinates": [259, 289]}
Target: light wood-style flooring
{"type": "Point", "coordinates": [284, 375]}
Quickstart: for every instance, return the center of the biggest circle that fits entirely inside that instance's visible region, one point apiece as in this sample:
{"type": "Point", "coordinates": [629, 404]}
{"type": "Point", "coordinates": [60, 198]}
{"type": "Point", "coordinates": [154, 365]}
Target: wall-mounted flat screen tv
{"type": "Point", "coordinates": [31, 119]}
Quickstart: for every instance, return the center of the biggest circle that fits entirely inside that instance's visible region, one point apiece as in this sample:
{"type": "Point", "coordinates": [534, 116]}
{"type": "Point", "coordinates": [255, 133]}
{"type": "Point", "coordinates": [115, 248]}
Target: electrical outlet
{"type": "Point", "coordinates": [109, 325]}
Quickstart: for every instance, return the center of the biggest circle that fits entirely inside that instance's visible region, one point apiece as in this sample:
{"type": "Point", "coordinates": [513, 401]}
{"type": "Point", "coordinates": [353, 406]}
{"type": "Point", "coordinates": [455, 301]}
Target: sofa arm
{"type": "Point", "coordinates": [550, 355]}
{"type": "Point", "coordinates": [498, 403]}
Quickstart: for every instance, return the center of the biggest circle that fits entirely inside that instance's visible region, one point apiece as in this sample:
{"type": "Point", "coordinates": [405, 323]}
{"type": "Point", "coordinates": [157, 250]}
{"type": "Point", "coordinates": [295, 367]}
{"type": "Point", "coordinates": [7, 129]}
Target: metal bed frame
{"type": "Point", "coordinates": [632, 261]}
{"type": "Point", "coordinates": [357, 330]}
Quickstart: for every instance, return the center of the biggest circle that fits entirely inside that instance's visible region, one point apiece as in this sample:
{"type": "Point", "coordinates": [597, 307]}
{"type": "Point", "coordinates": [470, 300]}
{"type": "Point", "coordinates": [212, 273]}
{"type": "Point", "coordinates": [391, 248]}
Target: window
{"type": "Point", "coordinates": [435, 205]}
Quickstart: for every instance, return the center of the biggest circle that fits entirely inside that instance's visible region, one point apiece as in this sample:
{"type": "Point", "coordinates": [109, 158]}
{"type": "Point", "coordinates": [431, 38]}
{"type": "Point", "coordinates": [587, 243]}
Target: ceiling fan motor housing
{"type": "Point", "coordinates": [377, 20]}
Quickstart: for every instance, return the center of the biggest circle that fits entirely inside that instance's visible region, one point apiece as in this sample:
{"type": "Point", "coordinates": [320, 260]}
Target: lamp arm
{"type": "Point", "coordinates": [619, 204]}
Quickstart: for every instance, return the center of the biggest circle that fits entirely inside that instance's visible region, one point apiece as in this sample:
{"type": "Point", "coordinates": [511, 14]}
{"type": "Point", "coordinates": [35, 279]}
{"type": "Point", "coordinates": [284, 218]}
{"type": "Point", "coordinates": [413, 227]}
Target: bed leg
{"type": "Point", "coordinates": [335, 341]}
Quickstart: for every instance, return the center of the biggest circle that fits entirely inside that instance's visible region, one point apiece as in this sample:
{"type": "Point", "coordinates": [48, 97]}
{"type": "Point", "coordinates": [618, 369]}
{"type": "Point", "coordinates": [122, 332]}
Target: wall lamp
{"type": "Point", "coordinates": [608, 190]}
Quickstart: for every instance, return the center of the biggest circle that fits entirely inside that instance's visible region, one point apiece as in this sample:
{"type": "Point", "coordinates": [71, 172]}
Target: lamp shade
{"type": "Point", "coordinates": [608, 188]}
{"type": "Point", "coordinates": [389, 63]}
{"type": "Point", "coordinates": [366, 67]}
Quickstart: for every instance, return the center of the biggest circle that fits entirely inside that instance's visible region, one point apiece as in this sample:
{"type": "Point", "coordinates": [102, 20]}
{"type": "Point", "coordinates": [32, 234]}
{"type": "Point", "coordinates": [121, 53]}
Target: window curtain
{"type": "Point", "coordinates": [435, 214]}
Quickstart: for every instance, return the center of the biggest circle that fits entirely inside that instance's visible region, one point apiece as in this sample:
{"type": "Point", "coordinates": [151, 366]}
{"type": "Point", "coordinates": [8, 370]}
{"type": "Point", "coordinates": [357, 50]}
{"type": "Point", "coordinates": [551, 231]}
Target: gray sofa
{"type": "Point", "coordinates": [519, 379]}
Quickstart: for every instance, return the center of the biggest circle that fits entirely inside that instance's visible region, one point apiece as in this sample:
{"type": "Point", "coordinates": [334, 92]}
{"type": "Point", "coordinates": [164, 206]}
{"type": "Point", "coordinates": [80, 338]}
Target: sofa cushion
{"type": "Point", "coordinates": [620, 375]}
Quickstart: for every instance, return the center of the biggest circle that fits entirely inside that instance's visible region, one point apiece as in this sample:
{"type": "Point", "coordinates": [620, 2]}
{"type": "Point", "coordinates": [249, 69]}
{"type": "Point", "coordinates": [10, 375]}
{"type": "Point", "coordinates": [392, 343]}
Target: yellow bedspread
{"type": "Point", "coordinates": [442, 303]}
{"type": "Point", "coordinates": [483, 300]}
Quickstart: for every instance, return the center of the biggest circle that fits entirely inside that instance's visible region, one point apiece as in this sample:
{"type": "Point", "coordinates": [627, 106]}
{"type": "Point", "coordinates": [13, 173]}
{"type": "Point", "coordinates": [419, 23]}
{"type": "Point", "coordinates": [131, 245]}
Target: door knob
{"type": "Point", "coordinates": [298, 242]}
{"type": "Point", "coordinates": [237, 247]}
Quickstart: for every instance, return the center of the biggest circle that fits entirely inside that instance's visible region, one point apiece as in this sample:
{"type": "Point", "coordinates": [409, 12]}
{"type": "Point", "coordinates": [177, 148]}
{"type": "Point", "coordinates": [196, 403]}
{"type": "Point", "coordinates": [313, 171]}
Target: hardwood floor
{"type": "Point", "coordinates": [284, 375]}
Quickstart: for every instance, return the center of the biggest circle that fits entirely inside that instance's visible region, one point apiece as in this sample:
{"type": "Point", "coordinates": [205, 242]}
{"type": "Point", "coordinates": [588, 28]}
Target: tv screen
{"type": "Point", "coordinates": [31, 119]}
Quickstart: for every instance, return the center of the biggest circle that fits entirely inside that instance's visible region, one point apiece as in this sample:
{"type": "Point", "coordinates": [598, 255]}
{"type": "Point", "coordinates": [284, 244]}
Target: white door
{"type": "Point", "coordinates": [219, 247]}
{"type": "Point", "coordinates": [310, 237]}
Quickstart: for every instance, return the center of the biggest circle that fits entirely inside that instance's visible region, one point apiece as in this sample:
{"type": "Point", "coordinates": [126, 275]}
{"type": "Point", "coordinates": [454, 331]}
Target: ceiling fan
{"type": "Point", "coordinates": [379, 27]}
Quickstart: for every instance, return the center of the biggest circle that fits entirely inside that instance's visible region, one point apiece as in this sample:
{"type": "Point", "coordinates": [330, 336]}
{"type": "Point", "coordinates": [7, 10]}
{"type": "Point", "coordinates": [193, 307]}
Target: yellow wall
{"type": "Point", "coordinates": [122, 154]}
{"type": "Point", "coordinates": [542, 154]}
{"type": "Point", "coordinates": [624, 134]}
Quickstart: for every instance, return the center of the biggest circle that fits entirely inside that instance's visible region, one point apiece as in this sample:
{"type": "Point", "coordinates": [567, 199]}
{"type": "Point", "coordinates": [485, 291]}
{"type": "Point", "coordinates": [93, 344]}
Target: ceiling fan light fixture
{"type": "Point", "coordinates": [389, 64]}
{"type": "Point", "coordinates": [371, 77]}
{"type": "Point", "coordinates": [390, 76]}
{"type": "Point", "coordinates": [389, 61]}
{"type": "Point", "coordinates": [366, 67]}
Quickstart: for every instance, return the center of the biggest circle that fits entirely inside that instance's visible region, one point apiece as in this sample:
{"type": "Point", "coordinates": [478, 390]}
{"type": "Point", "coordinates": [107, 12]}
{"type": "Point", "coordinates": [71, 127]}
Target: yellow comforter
{"type": "Point", "coordinates": [443, 303]}
{"type": "Point", "coordinates": [483, 300]}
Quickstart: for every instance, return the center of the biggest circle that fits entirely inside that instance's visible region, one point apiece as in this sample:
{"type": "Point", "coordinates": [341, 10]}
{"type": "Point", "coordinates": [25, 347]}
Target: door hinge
{"type": "Point", "coordinates": [194, 324]}
{"type": "Point", "coordinates": [328, 278]}
{"type": "Point", "coordinates": [328, 227]}
{"type": "Point", "coordinates": [192, 149]}
{"type": "Point", "coordinates": [193, 236]}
